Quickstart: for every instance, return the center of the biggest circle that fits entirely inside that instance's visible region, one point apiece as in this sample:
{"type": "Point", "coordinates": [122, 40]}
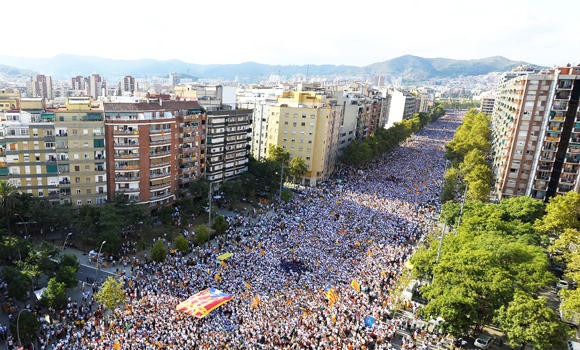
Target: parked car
{"type": "Point", "coordinates": [483, 342]}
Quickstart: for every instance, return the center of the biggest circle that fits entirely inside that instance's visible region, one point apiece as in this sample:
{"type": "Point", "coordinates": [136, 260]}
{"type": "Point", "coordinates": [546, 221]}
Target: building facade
{"type": "Point", "coordinates": [303, 124]}
{"type": "Point", "coordinates": [259, 99]}
{"type": "Point", "coordinates": [228, 144]}
{"type": "Point", "coordinates": [41, 86]}
{"type": "Point", "coordinates": [487, 103]}
{"type": "Point", "coordinates": [536, 134]}
{"type": "Point", "coordinates": [80, 144]}
{"type": "Point", "coordinates": [154, 148]}
{"type": "Point", "coordinates": [28, 156]}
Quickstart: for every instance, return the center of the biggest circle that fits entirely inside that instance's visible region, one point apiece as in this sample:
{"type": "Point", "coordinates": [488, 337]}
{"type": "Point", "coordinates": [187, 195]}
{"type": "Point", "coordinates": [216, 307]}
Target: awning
{"type": "Point", "coordinates": [224, 256]}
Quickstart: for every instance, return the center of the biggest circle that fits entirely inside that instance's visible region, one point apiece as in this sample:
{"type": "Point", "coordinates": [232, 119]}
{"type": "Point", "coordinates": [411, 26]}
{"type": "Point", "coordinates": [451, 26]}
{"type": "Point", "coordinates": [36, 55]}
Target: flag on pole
{"type": "Point", "coordinates": [355, 285]}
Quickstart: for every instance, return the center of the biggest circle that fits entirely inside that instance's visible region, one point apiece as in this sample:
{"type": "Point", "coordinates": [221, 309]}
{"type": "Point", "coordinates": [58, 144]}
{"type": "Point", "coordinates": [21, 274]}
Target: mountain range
{"type": "Point", "coordinates": [408, 67]}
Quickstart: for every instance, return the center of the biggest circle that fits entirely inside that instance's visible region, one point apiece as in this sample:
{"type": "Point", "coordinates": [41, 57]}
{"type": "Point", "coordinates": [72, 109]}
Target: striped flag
{"type": "Point", "coordinates": [330, 295]}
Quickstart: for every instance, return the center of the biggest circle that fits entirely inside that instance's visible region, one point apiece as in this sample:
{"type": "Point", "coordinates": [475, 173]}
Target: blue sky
{"type": "Point", "coordinates": [293, 32]}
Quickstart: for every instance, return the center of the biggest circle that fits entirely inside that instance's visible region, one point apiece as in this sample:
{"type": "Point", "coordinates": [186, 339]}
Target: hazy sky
{"type": "Point", "coordinates": [355, 32]}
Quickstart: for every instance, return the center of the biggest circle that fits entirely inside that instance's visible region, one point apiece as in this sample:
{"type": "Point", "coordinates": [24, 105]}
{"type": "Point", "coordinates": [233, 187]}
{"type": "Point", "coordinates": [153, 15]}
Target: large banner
{"type": "Point", "coordinates": [204, 302]}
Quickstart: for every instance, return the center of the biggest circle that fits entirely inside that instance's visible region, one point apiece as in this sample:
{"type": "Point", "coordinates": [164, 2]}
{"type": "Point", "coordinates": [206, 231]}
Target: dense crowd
{"type": "Point", "coordinates": [361, 225]}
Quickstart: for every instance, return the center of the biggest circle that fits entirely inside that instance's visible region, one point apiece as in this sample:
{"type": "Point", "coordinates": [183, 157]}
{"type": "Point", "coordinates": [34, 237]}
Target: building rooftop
{"type": "Point", "coordinates": [150, 106]}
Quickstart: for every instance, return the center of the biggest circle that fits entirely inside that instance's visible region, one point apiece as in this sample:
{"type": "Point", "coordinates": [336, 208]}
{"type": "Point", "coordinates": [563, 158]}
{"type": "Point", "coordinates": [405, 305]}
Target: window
{"type": "Point", "coordinates": [89, 201]}
{"type": "Point", "coordinates": [88, 191]}
{"type": "Point", "coordinates": [77, 179]}
{"type": "Point", "coordinates": [85, 131]}
{"type": "Point", "coordinates": [75, 131]}
{"type": "Point", "coordinates": [77, 168]}
{"type": "Point", "coordinates": [79, 202]}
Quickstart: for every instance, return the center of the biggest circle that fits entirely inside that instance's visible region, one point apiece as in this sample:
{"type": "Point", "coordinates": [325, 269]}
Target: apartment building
{"type": "Point", "coordinates": [259, 99]}
{"type": "Point", "coordinates": [28, 156]}
{"type": "Point", "coordinates": [9, 100]}
{"type": "Point", "coordinates": [487, 103]}
{"type": "Point", "coordinates": [80, 151]}
{"type": "Point", "coordinates": [127, 86]}
{"type": "Point", "coordinates": [348, 119]}
{"type": "Point", "coordinates": [41, 86]}
{"type": "Point", "coordinates": [305, 125]}
{"type": "Point", "coordinates": [536, 134]}
{"type": "Point", "coordinates": [154, 148]}
{"type": "Point", "coordinates": [96, 86]}
{"type": "Point", "coordinates": [210, 97]}
{"type": "Point", "coordinates": [228, 144]}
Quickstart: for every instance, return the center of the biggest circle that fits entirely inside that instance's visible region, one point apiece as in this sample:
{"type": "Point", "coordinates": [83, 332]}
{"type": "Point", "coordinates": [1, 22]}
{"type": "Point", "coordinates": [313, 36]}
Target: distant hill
{"type": "Point", "coordinates": [406, 67]}
{"type": "Point", "coordinates": [13, 72]}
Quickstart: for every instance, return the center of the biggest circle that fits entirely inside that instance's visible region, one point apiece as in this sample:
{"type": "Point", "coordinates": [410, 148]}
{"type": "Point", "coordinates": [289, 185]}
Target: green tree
{"type": "Point", "coordinates": [111, 294]}
{"type": "Point", "coordinates": [164, 214]}
{"type": "Point", "coordinates": [199, 188]}
{"type": "Point", "coordinates": [478, 191]}
{"type": "Point", "coordinates": [69, 260]}
{"type": "Point", "coordinates": [55, 294]}
{"type": "Point", "coordinates": [180, 243]}
{"type": "Point", "coordinates": [450, 212]}
{"type": "Point", "coordinates": [158, 252]}
{"type": "Point", "coordinates": [18, 282]}
{"type": "Point", "coordinates": [451, 180]}
{"type": "Point", "coordinates": [113, 238]}
{"type": "Point", "coordinates": [286, 195]}
{"type": "Point", "coordinates": [8, 194]}
{"type": "Point", "coordinates": [27, 325]}
{"type": "Point", "coordinates": [67, 275]}
{"type": "Point", "coordinates": [278, 154]}
{"type": "Point", "coordinates": [232, 189]}
{"type": "Point", "coordinates": [480, 172]}
{"type": "Point", "coordinates": [201, 234]}
{"type": "Point", "coordinates": [561, 213]}
{"type": "Point", "coordinates": [526, 320]}
{"type": "Point", "coordinates": [220, 225]}
{"type": "Point", "coordinates": [297, 168]}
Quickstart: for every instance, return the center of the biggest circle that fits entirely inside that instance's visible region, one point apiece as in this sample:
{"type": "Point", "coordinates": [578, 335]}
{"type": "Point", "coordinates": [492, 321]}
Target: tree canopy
{"type": "Point", "coordinates": [111, 294]}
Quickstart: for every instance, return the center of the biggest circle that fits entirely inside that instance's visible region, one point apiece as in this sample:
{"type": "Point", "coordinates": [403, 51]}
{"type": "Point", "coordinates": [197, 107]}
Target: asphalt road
{"type": "Point", "coordinates": [89, 272]}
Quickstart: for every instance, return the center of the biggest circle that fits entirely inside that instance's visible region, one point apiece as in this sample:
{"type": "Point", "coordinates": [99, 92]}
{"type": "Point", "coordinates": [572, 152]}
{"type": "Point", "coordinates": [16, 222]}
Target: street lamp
{"type": "Point", "coordinates": [64, 244]}
{"type": "Point", "coordinates": [98, 261]}
{"type": "Point", "coordinates": [17, 325]}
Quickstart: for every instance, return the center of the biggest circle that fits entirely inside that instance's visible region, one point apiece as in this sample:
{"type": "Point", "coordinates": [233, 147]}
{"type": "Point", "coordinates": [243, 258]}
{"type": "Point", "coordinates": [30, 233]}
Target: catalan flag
{"type": "Point", "coordinates": [255, 301]}
{"type": "Point", "coordinates": [355, 285]}
{"type": "Point", "coordinates": [202, 303]}
{"type": "Point", "coordinates": [330, 295]}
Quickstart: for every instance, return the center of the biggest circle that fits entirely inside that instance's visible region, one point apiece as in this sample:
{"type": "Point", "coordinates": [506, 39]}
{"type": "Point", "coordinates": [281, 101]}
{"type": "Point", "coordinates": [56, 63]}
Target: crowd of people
{"type": "Point", "coordinates": [361, 225]}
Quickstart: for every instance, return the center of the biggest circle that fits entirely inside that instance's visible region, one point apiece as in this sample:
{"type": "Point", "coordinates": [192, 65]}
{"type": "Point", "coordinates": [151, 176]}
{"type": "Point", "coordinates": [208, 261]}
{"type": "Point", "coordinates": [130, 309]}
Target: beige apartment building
{"type": "Point", "coordinates": [80, 144]}
{"type": "Point", "coordinates": [536, 134]}
{"type": "Point", "coordinates": [306, 126]}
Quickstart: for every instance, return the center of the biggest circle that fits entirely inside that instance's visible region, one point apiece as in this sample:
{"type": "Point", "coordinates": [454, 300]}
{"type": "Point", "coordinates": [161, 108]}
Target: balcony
{"type": "Point", "coordinates": [160, 196]}
{"type": "Point", "coordinates": [157, 165]}
{"type": "Point", "coordinates": [159, 175]}
{"type": "Point", "coordinates": [127, 178]}
{"type": "Point", "coordinates": [125, 189]}
{"type": "Point", "coordinates": [126, 144]}
{"type": "Point", "coordinates": [160, 153]}
{"type": "Point", "coordinates": [158, 186]}
{"type": "Point", "coordinates": [126, 132]}
{"type": "Point", "coordinates": [126, 156]}
{"type": "Point", "coordinates": [159, 142]}
{"type": "Point", "coordinates": [126, 167]}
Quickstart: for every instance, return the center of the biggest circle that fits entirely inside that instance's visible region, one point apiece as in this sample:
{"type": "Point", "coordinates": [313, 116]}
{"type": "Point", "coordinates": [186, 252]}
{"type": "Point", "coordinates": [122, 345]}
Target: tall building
{"type": "Point", "coordinates": [97, 86]}
{"type": "Point", "coordinates": [80, 146]}
{"type": "Point", "coordinates": [487, 103]}
{"type": "Point", "coordinates": [127, 86]}
{"type": "Point", "coordinates": [78, 83]}
{"type": "Point", "coordinates": [173, 79]}
{"type": "Point", "coordinates": [348, 119]}
{"type": "Point", "coordinates": [27, 150]}
{"type": "Point", "coordinates": [153, 148]}
{"type": "Point", "coordinates": [228, 144]}
{"type": "Point", "coordinates": [306, 126]}
{"type": "Point", "coordinates": [258, 99]}
{"type": "Point", "coordinates": [536, 134]}
{"type": "Point", "coordinates": [210, 97]}
{"type": "Point", "coordinates": [41, 86]}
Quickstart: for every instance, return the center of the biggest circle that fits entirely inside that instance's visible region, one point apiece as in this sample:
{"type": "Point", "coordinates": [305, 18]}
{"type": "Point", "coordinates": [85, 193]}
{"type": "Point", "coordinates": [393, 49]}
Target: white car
{"type": "Point", "coordinates": [483, 342]}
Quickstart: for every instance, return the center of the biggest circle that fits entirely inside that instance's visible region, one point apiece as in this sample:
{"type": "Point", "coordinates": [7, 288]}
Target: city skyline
{"type": "Point", "coordinates": [300, 33]}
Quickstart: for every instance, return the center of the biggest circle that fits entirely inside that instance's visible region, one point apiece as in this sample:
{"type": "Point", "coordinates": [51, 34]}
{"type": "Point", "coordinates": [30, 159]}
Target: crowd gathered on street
{"type": "Point", "coordinates": [361, 225]}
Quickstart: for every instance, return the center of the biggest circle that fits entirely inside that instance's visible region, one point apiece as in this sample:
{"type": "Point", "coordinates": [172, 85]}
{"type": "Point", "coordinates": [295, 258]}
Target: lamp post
{"type": "Point", "coordinates": [66, 238]}
{"type": "Point", "coordinates": [99, 262]}
{"type": "Point", "coordinates": [17, 325]}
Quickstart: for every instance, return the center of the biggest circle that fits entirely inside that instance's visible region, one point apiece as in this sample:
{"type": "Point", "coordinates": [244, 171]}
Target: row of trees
{"type": "Point", "coordinates": [384, 140]}
{"type": "Point", "coordinates": [467, 153]}
{"type": "Point", "coordinates": [459, 104]}
{"type": "Point", "coordinates": [492, 268]}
